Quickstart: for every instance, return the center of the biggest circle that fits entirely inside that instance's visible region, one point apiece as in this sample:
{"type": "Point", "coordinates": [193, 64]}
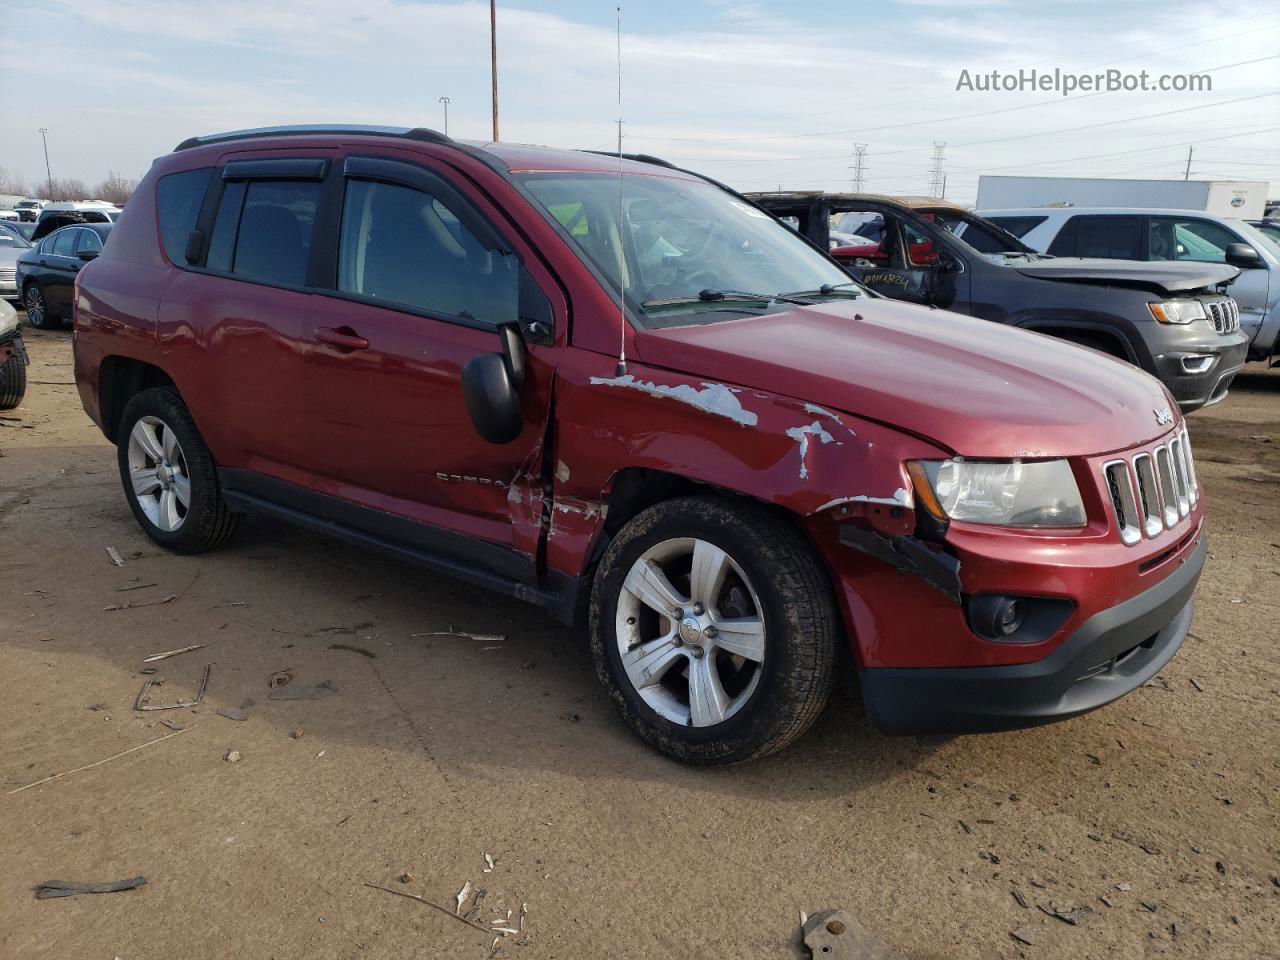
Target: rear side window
{"type": "Point", "coordinates": [263, 230]}
{"type": "Point", "coordinates": [1111, 238]}
{"type": "Point", "coordinates": [64, 244]}
{"type": "Point", "coordinates": [404, 246]}
{"type": "Point", "coordinates": [178, 199]}
{"type": "Point", "coordinates": [89, 240]}
{"type": "Point", "coordinates": [1018, 226]}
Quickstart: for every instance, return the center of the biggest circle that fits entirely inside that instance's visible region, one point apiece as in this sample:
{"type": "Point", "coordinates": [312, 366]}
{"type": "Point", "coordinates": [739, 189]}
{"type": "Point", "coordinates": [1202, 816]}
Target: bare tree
{"type": "Point", "coordinates": [66, 188]}
{"type": "Point", "coordinates": [12, 184]}
{"type": "Point", "coordinates": [115, 189]}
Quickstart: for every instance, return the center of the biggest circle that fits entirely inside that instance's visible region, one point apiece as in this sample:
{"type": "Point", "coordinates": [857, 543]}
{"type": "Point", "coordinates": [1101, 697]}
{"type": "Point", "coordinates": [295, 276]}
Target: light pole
{"type": "Point", "coordinates": [446, 101]}
{"type": "Point", "coordinates": [44, 136]}
{"type": "Point", "coordinates": [493, 58]}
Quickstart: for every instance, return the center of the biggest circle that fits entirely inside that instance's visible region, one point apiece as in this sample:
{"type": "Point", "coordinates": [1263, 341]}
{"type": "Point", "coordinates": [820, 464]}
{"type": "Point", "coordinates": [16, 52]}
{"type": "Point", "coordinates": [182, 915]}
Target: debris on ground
{"type": "Point", "coordinates": [405, 878]}
{"type": "Point", "coordinates": [1024, 935]}
{"type": "Point", "coordinates": [135, 604]}
{"type": "Point", "coordinates": [279, 679]}
{"type": "Point", "coordinates": [360, 650]}
{"type": "Point", "coordinates": [833, 935]}
{"type": "Point", "coordinates": [173, 653]}
{"type": "Point", "coordinates": [87, 766]}
{"type": "Point", "coordinates": [429, 903]}
{"type": "Point", "coordinates": [296, 734]}
{"type": "Point", "coordinates": [67, 888]}
{"type": "Point", "coordinates": [318, 692]}
{"type": "Point", "coordinates": [171, 724]}
{"type": "Point", "coordinates": [1021, 900]}
{"type": "Point", "coordinates": [114, 555]}
{"type": "Point", "coordinates": [135, 586]}
{"type": "Point", "coordinates": [232, 756]}
{"type": "Point", "coordinates": [1074, 916]}
{"type": "Point", "coordinates": [462, 635]}
{"type": "Point", "coordinates": [488, 863]}
{"type": "Point", "coordinates": [201, 687]}
{"type": "Point", "coordinates": [235, 713]}
{"type": "Point", "coordinates": [462, 895]}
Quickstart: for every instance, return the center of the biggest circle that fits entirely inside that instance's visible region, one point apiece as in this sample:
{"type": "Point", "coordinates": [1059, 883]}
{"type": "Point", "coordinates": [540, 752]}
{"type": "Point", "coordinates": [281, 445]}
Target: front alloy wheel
{"type": "Point", "coordinates": [690, 633]}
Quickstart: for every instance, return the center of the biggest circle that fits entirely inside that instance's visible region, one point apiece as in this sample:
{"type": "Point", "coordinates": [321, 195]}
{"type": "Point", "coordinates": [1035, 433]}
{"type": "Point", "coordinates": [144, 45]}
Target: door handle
{"type": "Point", "coordinates": [344, 338]}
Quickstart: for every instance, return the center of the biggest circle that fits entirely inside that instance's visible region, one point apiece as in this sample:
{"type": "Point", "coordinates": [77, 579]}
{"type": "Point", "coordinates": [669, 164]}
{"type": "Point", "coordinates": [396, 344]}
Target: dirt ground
{"type": "Point", "coordinates": [1158, 813]}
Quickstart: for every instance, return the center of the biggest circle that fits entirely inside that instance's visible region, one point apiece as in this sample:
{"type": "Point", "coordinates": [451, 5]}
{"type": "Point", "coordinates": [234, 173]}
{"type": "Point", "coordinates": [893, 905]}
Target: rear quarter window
{"type": "Point", "coordinates": [178, 200]}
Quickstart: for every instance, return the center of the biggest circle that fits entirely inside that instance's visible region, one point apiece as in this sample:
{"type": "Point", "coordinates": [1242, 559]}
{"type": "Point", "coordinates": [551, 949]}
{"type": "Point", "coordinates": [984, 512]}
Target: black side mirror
{"type": "Point", "coordinates": [491, 386]}
{"type": "Point", "coordinates": [87, 255]}
{"type": "Point", "coordinates": [1243, 256]}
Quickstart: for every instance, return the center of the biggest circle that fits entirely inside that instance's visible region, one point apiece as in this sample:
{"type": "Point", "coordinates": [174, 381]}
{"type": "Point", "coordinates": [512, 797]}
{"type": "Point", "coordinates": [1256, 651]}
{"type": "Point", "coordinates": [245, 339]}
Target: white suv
{"type": "Point", "coordinates": [1137, 233]}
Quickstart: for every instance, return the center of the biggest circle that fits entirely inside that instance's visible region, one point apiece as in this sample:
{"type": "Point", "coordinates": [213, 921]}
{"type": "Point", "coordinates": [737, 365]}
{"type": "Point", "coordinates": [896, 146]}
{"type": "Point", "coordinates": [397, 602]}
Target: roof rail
{"type": "Point", "coordinates": [301, 130]}
{"type": "Point", "coordinates": [637, 157]}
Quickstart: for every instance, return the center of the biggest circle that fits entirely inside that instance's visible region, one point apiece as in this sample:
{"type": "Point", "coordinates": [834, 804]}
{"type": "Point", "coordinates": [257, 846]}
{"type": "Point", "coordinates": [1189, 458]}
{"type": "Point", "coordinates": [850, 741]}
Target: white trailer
{"type": "Point", "coordinates": [1246, 199]}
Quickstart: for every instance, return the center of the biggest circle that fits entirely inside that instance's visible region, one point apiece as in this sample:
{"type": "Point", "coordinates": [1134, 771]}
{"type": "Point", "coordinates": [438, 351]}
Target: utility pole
{"type": "Point", "coordinates": [44, 135]}
{"type": "Point", "coordinates": [859, 165]}
{"type": "Point", "coordinates": [1187, 174]}
{"type": "Point", "coordinates": [493, 58]}
{"type": "Point", "coordinates": [937, 180]}
{"type": "Point", "coordinates": [446, 101]}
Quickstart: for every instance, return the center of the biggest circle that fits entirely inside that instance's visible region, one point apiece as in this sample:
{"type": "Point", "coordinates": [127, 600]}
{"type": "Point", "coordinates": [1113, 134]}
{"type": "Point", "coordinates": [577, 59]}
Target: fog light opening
{"type": "Point", "coordinates": [996, 617]}
{"type": "Point", "coordinates": [1198, 363]}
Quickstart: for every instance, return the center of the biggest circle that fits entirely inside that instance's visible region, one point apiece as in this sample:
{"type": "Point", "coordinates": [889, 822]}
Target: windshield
{"type": "Point", "coordinates": [982, 235]}
{"type": "Point", "coordinates": [691, 251]}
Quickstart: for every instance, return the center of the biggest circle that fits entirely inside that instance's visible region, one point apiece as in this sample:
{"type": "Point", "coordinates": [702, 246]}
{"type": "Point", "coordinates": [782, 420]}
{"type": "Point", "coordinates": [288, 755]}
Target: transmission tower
{"type": "Point", "coordinates": [859, 165]}
{"type": "Point", "coordinates": [937, 179]}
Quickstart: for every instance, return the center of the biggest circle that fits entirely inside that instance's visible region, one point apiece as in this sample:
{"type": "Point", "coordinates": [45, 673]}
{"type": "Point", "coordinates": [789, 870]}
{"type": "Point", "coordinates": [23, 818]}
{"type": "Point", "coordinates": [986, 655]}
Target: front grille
{"type": "Point", "coordinates": [1224, 315]}
{"type": "Point", "coordinates": [1152, 491]}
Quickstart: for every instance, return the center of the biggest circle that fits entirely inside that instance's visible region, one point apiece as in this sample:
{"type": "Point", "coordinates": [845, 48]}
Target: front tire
{"type": "Point", "coordinates": [714, 630]}
{"type": "Point", "coordinates": [38, 308]}
{"type": "Point", "coordinates": [13, 381]}
{"type": "Point", "coordinates": [169, 476]}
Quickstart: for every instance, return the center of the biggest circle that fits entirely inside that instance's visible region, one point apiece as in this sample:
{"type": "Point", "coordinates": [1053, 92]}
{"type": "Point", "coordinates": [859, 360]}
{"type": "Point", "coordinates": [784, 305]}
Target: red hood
{"type": "Point", "coordinates": [978, 388]}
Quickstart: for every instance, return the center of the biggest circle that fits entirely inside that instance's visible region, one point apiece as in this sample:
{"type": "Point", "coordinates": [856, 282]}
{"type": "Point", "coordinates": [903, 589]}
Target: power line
{"type": "Point", "coordinates": [918, 123]}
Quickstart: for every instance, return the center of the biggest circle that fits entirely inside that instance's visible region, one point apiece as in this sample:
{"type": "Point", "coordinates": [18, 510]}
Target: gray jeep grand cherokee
{"type": "Point", "coordinates": [1174, 320]}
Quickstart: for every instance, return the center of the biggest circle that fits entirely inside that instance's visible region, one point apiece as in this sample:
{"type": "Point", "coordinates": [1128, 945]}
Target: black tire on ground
{"type": "Point", "coordinates": [13, 381]}
{"type": "Point", "coordinates": [37, 308]}
{"type": "Point", "coordinates": [207, 522]}
{"type": "Point", "coordinates": [796, 605]}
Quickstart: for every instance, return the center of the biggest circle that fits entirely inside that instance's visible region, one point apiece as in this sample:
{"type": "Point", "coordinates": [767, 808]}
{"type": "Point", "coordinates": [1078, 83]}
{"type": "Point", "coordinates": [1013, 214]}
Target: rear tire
{"type": "Point", "coordinates": [169, 476]}
{"type": "Point", "coordinates": [38, 308]}
{"type": "Point", "coordinates": [13, 382]}
{"type": "Point", "coordinates": [714, 630]}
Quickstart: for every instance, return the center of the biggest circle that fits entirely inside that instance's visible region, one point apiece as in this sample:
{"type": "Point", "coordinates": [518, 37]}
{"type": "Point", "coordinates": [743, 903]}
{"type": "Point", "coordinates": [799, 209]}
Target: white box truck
{"type": "Point", "coordinates": [1246, 199]}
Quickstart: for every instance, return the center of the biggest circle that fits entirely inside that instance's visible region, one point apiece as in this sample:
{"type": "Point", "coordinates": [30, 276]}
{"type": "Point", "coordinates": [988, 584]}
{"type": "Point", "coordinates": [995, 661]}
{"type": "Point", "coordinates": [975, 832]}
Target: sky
{"type": "Point", "coordinates": [759, 95]}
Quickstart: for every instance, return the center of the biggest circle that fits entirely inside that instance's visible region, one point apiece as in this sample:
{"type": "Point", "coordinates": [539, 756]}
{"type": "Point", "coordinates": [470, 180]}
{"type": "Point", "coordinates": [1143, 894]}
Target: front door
{"type": "Point", "coordinates": [421, 278]}
{"type": "Point", "coordinates": [897, 258]}
{"type": "Point", "coordinates": [58, 269]}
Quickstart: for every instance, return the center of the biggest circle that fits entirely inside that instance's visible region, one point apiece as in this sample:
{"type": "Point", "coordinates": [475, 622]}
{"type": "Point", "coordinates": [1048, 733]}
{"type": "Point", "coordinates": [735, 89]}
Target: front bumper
{"type": "Point", "coordinates": [1112, 653]}
{"type": "Point", "coordinates": [1198, 374]}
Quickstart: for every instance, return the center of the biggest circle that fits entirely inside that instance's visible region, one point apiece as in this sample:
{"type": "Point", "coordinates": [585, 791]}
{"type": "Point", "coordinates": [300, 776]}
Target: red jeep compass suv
{"type": "Point", "coordinates": [413, 343]}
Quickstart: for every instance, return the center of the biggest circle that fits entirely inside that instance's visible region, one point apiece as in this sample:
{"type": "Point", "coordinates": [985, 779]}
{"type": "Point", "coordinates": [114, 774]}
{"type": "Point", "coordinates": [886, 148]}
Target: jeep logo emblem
{"type": "Point", "coordinates": [1164, 416]}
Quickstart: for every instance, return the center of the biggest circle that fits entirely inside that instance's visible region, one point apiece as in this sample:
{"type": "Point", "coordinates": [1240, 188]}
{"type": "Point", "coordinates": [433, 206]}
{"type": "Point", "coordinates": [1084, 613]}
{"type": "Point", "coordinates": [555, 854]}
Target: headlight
{"type": "Point", "coordinates": [8, 319]}
{"type": "Point", "coordinates": [1009, 493]}
{"type": "Point", "coordinates": [1177, 311]}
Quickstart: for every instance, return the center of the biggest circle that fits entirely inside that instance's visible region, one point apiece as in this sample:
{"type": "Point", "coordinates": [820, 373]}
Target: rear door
{"type": "Point", "coordinates": [1105, 236]}
{"type": "Point", "coordinates": [59, 269]}
{"type": "Point", "coordinates": [423, 270]}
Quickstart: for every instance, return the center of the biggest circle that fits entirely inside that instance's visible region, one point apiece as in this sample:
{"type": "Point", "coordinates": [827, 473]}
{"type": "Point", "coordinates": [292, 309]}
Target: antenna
{"type": "Point", "coordinates": [622, 243]}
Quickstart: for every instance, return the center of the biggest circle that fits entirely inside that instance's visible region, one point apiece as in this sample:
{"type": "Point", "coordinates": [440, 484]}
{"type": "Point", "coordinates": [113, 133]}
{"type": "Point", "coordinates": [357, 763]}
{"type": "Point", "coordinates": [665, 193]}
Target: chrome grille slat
{"type": "Point", "coordinates": [1223, 314]}
{"type": "Point", "coordinates": [1152, 490]}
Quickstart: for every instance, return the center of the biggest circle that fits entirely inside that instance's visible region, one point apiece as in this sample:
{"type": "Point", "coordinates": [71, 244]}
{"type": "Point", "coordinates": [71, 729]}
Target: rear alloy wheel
{"type": "Point", "coordinates": [714, 629]}
{"type": "Point", "coordinates": [168, 474]}
{"type": "Point", "coordinates": [37, 309]}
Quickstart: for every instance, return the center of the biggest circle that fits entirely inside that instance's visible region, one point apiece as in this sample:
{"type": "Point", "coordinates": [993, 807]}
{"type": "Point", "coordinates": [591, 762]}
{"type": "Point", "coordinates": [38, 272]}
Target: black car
{"type": "Point", "coordinates": [47, 271]}
{"type": "Point", "coordinates": [1172, 319]}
